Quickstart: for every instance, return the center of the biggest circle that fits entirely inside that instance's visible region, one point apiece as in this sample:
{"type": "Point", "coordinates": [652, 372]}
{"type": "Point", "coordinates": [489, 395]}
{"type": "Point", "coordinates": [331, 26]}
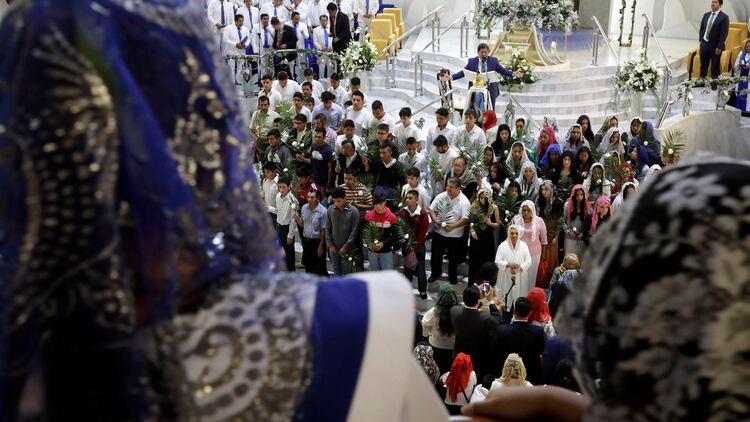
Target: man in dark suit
{"type": "Point", "coordinates": [340, 29]}
{"type": "Point", "coordinates": [474, 330]}
{"type": "Point", "coordinates": [712, 35]}
{"type": "Point", "coordinates": [483, 63]}
{"type": "Point", "coordinates": [284, 37]}
{"type": "Point", "coordinates": [519, 337]}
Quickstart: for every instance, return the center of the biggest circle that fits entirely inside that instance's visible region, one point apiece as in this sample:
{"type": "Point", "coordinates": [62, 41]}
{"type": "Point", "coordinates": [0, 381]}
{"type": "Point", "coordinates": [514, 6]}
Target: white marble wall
{"type": "Point", "coordinates": [715, 131]}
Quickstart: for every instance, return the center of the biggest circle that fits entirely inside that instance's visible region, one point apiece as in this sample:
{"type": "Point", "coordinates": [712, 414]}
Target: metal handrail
{"type": "Point", "coordinates": [424, 107]}
{"type": "Point", "coordinates": [658, 44]}
{"type": "Point", "coordinates": [442, 33]}
{"type": "Point", "coordinates": [606, 39]}
{"type": "Point", "coordinates": [412, 30]}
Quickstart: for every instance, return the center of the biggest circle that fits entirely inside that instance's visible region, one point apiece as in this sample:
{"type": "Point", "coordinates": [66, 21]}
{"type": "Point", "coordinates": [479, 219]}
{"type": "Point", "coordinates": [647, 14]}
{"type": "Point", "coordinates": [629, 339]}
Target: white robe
{"type": "Point", "coordinates": [507, 254]}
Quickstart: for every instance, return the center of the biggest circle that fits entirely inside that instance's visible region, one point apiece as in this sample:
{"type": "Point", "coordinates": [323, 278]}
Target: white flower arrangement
{"type": "Point", "coordinates": [637, 74]}
{"type": "Point", "coordinates": [360, 56]}
{"type": "Point", "coordinates": [443, 224]}
{"type": "Point", "coordinates": [518, 62]}
{"type": "Point", "coordinates": [558, 15]}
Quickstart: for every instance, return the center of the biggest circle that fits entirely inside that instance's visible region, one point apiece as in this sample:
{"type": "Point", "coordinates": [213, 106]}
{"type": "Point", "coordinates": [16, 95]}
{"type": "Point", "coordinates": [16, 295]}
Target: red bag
{"type": "Point", "coordinates": [410, 260]}
{"type": "Point", "coordinates": [543, 274]}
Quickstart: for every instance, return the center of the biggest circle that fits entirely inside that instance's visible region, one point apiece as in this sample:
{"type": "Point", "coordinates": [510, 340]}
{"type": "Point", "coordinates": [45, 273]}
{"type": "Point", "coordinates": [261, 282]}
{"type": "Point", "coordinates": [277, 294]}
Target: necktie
{"type": "Point", "coordinates": [484, 66]}
{"type": "Point", "coordinates": [325, 37]}
{"type": "Point", "coordinates": [275, 14]}
{"type": "Point", "coordinates": [239, 35]}
{"type": "Point", "coordinates": [223, 18]}
{"type": "Point", "coordinates": [265, 38]}
{"type": "Point", "coordinates": [708, 27]}
{"type": "Point", "coordinates": [367, 7]}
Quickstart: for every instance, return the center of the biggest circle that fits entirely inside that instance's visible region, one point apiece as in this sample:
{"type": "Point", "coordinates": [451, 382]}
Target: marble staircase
{"type": "Point", "coordinates": [563, 92]}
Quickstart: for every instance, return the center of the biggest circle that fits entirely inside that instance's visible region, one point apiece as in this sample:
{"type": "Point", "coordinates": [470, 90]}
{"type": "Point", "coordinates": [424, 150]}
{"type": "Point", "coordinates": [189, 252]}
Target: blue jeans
{"type": "Point", "coordinates": [380, 261]}
{"type": "Point", "coordinates": [336, 261]}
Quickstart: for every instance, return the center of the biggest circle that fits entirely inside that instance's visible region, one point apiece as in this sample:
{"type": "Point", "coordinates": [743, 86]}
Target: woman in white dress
{"type": "Point", "coordinates": [513, 261]}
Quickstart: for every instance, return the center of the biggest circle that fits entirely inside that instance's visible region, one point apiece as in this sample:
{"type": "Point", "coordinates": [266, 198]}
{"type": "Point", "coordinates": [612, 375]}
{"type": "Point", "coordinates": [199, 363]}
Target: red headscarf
{"type": "Point", "coordinates": [539, 307]}
{"type": "Point", "coordinates": [489, 121]}
{"type": "Point", "coordinates": [458, 377]}
{"type": "Point", "coordinates": [570, 203]}
{"type": "Point", "coordinates": [541, 149]}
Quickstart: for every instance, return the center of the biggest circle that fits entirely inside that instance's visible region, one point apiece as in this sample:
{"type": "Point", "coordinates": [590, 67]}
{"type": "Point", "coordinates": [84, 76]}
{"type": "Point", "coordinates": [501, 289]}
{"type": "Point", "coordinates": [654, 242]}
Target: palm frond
{"type": "Point", "coordinates": [352, 263]}
{"type": "Point", "coordinates": [508, 206]}
{"type": "Point", "coordinates": [286, 113]}
{"type": "Point", "coordinates": [435, 170]}
{"type": "Point", "coordinates": [671, 145]}
{"type": "Point", "coordinates": [443, 209]}
{"type": "Point", "coordinates": [474, 154]}
{"type": "Point", "coordinates": [371, 234]}
{"type": "Point", "coordinates": [611, 166]}
{"type": "Point", "coordinates": [367, 179]}
{"type": "Point", "coordinates": [406, 234]}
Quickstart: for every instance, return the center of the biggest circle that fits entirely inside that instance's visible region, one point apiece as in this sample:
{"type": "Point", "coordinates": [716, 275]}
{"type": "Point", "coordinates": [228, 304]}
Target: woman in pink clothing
{"type": "Point", "coordinates": [535, 237]}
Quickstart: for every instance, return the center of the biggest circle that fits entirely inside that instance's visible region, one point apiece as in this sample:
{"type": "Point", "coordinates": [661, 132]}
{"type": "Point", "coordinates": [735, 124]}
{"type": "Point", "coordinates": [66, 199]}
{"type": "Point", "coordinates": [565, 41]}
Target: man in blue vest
{"type": "Point", "coordinates": [484, 64]}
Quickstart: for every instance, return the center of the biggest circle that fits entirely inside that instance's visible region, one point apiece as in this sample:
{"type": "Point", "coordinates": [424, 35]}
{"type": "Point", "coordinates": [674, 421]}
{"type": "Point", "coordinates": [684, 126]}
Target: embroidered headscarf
{"type": "Point", "coordinates": [508, 377]}
{"type": "Point", "coordinates": [539, 306]}
{"type": "Point", "coordinates": [459, 376]}
{"type": "Point", "coordinates": [620, 198]}
{"type": "Point", "coordinates": [548, 203]}
{"type": "Point", "coordinates": [509, 164]}
{"type": "Point", "coordinates": [551, 122]}
{"type": "Point", "coordinates": [606, 146]}
{"type": "Point", "coordinates": [529, 190]}
{"type": "Point", "coordinates": [600, 202]}
{"type": "Point", "coordinates": [664, 300]}
{"type": "Point", "coordinates": [425, 359]}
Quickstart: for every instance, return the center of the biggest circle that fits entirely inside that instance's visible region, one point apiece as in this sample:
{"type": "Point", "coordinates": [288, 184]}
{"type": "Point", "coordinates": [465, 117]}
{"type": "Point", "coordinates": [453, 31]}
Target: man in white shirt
{"type": "Point", "coordinates": [405, 129]}
{"type": "Point", "coordinates": [357, 113]}
{"type": "Point", "coordinates": [355, 85]}
{"type": "Point", "coordinates": [317, 87]}
{"type": "Point", "coordinates": [380, 117]}
{"type": "Point", "coordinates": [315, 9]}
{"type": "Point", "coordinates": [323, 41]}
{"type": "Point", "coordinates": [348, 134]}
{"type": "Point", "coordinates": [276, 10]}
{"type": "Point", "coordinates": [300, 28]}
{"type": "Point", "coordinates": [470, 131]}
{"type": "Point", "coordinates": [300, 7]}
{"type": "Point", "coordinates": [263, 40]}
{"type": "Point", "coordinates": [220, 14]}
{"type": "Point", "coordinates": [286, 87]}
{"type": "Point", "coordinates": [286, 206]}
{"type": "Point", "coordinates": [442, 127]}
{"type": "Point", "coordinates": [251, 15]}
{"type": "Point", "coordinates": [365, 10]}
{"type": "Point", "coordinates": [345, 7]}
{"type": "Point", "coordinates": [269, 189]}
{"type": "Point", "coordinates": [337, 90]}
{"type": "Point", "coordinates": [449, 230]}
{"type": "Point", "coordinates": [299, 107]}
{"type": "Point", "coordinates": [274, 98]}
{"type": "Point", "coordinates": [307, 91]}
{"type": "Point", "coordinates": [236, 38]}
{"type": "Point", "coordinates": [444, 154]}
{"type": "Point", "coordinates": [413, 183]}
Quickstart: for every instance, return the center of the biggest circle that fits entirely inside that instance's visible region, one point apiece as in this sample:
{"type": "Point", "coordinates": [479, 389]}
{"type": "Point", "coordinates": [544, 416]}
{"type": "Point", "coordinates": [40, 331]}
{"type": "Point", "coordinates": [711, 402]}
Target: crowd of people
{"type": "Point", "coordinates": [366, 190]}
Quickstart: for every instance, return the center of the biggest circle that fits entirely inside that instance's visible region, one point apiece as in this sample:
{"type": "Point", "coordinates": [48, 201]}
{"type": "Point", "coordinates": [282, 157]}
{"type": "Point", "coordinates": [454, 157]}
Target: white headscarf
{"type": "Point", "coordinates": [652, 171]}
{"type": "Point", "coordinates": [620, 196]}
{"type": "Point", "coordinates": [524, 156]}
{"type": "Point", "coordinates": [518, 219]}
{"type": "Point", "coordinates": [605, 147]}
{"type": "Point", "coordinates": [521, 231]}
